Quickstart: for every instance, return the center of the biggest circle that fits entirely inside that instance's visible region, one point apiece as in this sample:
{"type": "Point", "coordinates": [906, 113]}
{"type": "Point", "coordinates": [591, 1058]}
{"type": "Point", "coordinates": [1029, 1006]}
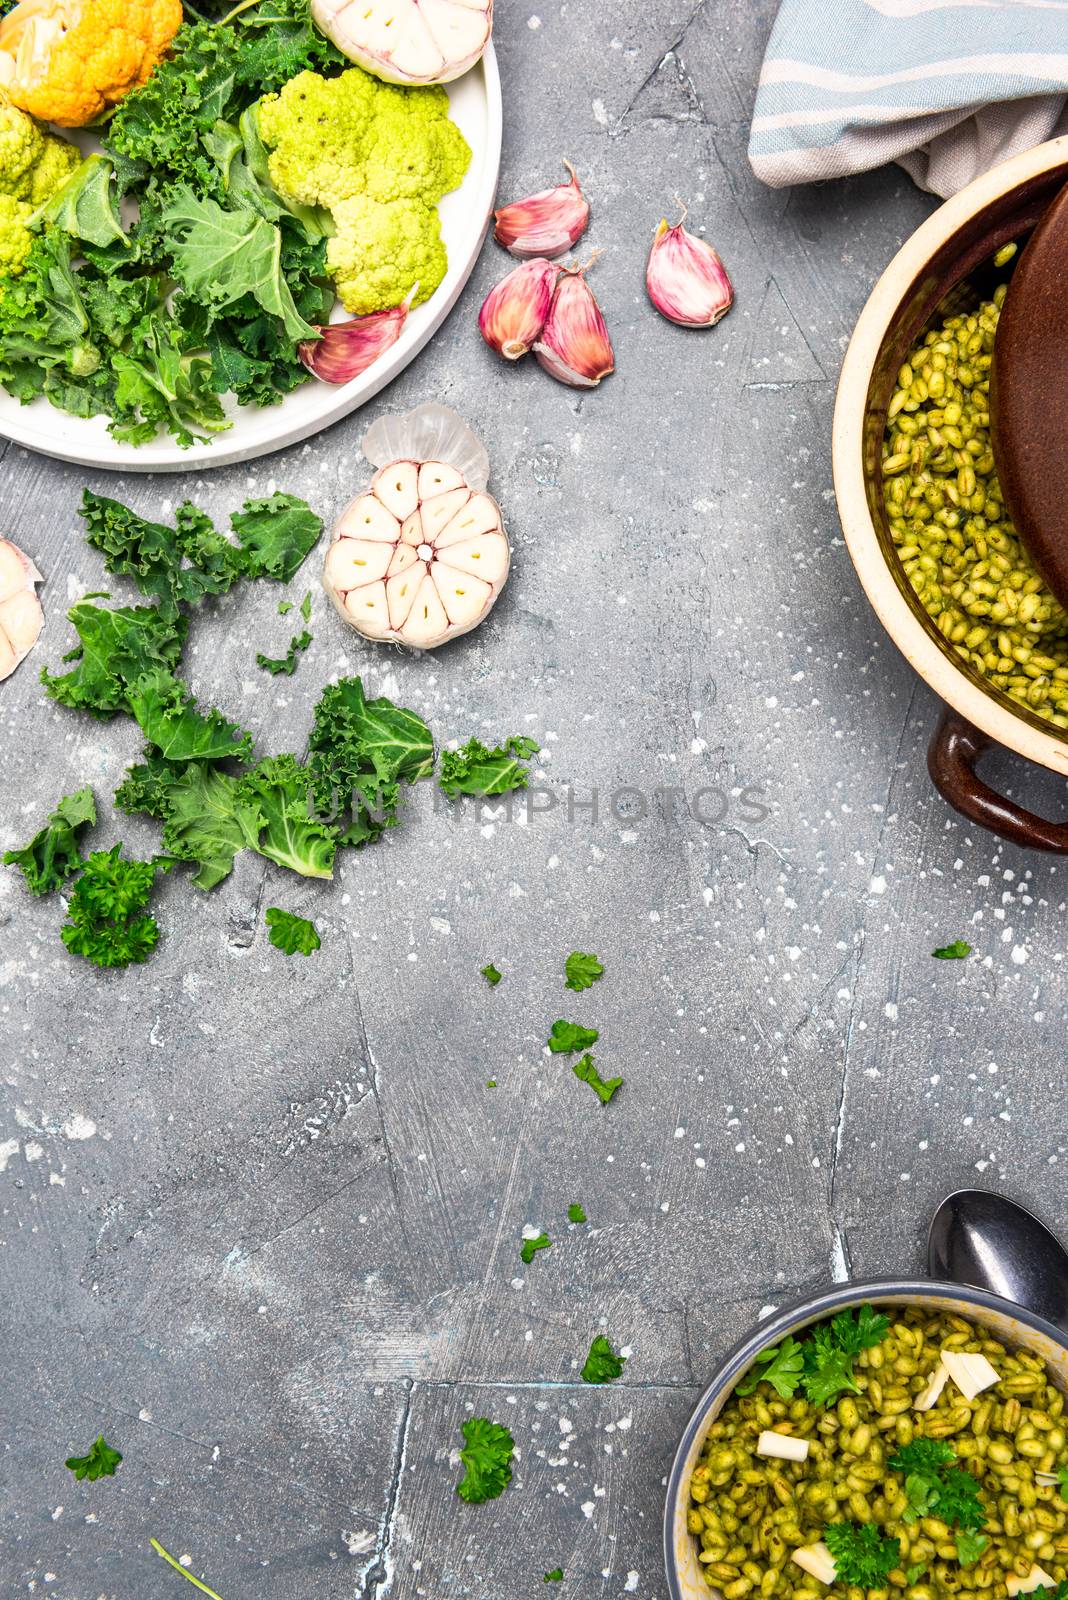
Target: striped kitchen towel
{"type": "Point", "coordinates": [945, 87]}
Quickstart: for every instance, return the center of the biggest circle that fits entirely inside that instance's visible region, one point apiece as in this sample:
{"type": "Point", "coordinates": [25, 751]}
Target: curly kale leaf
{"type": "Point", "coordinates": [290, 834]}
{"type": "Point", "coordinates": [166, 713]}
{"type": "Point", "coordinates": [291, 934]}
{"type": "Point", "coordinates": [487, 1458]}
{"type": "Point", "coordinates": [276, 535]}
{"type": "Point", "coordinates": [176, 566]}
{"type": "Point", "coordinates": [602, 1364]}
{"type": "Point", "coordinates": [474, 769]}
{"type": "Point", "coordinates": [106, 920]}
{"type": "Point", "coordinates": [50, 857]}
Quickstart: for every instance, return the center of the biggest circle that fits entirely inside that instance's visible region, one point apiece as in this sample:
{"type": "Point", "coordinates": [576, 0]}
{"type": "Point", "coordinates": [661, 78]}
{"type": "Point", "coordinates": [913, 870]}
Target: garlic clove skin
{"type": "Point", "coordinates": [544, 224]}
{"type": "Point", "coordinates": [417, 569]}
{"type": "Point", "coordinates": [21, 617]}
{"type": "Point", "coordinates": [685, 278]}
{"type": "Point", "coordinates": [345, 349]}
{"type": "Point", "coordinates": [574, 346]}
{"type": "Point", "coordinates": [513, 314]}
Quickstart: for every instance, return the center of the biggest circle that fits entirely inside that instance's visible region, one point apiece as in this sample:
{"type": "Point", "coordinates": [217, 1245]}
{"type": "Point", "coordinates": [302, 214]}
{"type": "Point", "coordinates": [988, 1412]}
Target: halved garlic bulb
{"type": "Point", "coordinates": [21, 617]}
{"type": "Point", "coordinates": [408, 41]}
{"type": "Point", "coordinates": [419, 558]}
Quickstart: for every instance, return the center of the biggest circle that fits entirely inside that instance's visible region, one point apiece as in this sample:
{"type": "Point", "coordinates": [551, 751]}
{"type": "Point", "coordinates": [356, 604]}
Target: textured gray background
{"type": "Point", "coordinates": [284, 1266]}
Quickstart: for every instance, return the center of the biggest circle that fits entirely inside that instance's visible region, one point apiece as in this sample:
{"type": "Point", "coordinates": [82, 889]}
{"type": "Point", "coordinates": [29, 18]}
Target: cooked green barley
{"type": "Point", "coordinates": [954, 538]}
{"type": "Point", "coordinates": [750, 1512]}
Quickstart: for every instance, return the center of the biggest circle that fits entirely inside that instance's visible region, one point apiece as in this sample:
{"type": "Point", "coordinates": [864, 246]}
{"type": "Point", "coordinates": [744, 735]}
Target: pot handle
{"type": "Point", "coordinates": [952, 756]}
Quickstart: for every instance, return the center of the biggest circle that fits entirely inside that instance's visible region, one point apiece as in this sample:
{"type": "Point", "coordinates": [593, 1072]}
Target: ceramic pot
{"type": "Point", "coordinates": [957, 241]}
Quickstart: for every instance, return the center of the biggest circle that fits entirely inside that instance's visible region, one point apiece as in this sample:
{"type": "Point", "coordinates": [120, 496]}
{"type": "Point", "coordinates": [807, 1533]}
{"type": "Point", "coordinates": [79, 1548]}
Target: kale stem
{"type": "Point", "coordinates": [177, 1565]}
{"type": "Point", "coordinates": [245, 5]}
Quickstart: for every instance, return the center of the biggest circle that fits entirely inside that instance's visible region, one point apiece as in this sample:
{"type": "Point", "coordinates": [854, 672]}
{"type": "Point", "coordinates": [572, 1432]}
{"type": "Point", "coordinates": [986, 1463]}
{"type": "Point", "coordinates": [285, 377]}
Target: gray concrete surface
{"type": "Point", "coordinates": [261, 1218]}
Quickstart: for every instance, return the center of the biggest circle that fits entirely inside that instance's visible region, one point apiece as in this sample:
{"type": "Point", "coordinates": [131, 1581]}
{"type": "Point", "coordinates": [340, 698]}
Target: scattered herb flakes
{"type": "Point", "coordinates": [291, 934]}
{"type": "Point", "coordinates": [540, 1241]}
{"type": "Point", "coordinates": [604, 1088]}
{"type": "Point", "coordinates": [970, 1547]}
{"type": "Point", "coordinates": [305, 606]}
{"type": "Point", "coordinates": [581, 971]}
{"type": "Point", "coordinates": [487, 1458]}
{"type": "Point", "coordinates": [99, 1462]}
{"type": "Point", "coordinates": [189, 1576]}
{"type": "Point", "coordinates": [105, 913]}
{"type": "Point", "coordinates": [284, 607]}
{"type": "Point", "coordinates": [565, 1037]}
{"type": "Point", "coordinates": [288, 663]}
{"type": "Point", "coordinates": [957, 951]}
{"type": "Point", "coordinates": [50, 857]}
{"type": "Point", "coordinates": [863, 1557]}
{"type": "Point", "coordinates": [491, 975]}
{"type": "Point", "coordinates": [602, 1364]}
{"type": "Point", "coordinates": [575, 1213]}
{"type": "Point", "coordinates": [555, 1576]}
{"type": "Point", "coordinates": [491, 1083]}
{"type": "Point", "coordinates": [474, 769]}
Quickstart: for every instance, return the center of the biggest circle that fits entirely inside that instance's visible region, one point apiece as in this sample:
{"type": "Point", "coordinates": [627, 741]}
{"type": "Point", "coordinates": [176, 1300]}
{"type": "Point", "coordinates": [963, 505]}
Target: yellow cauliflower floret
{"type": "Point", "coordinates": [67, 61]}
{"type": "Point", "coordinates": [379, 157]}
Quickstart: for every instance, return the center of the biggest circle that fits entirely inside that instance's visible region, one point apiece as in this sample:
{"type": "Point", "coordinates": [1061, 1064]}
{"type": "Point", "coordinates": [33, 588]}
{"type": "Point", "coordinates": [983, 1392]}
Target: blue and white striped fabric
{"type": "Point", "coordinates": [946, 87]}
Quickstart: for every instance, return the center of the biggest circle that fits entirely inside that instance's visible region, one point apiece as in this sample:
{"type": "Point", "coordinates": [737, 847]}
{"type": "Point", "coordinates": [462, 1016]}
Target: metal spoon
{"type": "Point", "coordinates": [992, 1243]}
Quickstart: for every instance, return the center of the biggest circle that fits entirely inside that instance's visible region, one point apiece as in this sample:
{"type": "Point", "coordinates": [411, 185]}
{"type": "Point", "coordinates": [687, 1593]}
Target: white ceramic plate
{"type": "Point", "coordinates": [475, 105]}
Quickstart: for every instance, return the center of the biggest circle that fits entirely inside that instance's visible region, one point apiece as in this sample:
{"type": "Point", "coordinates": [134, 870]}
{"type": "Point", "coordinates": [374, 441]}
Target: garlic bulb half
{"type": "Point", "coordinates": [408, 41]}
{"type": "Point", "coordinates": [421, 556]}
{"type": "Point", "coordinates": [21, 617]}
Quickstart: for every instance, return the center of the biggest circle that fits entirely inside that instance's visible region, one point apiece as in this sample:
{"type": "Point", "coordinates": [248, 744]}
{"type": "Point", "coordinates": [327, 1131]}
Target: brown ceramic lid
{"type": "Point", "coordinates": [1029, 397]}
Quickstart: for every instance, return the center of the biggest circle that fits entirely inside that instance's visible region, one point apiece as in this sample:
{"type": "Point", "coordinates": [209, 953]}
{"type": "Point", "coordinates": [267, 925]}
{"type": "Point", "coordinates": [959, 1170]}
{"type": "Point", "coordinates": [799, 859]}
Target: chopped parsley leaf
{"type": "Point", "coordinates": [305, 606]}
{"type": "Point", "coordinates": [487, 1458]}
{"type": "Point", "coordinates": [100, 1461]}
{"type": "Point", "coordinates": [555, 1576]}
{"type": "Point", "coordinates": [491, 1083]}
{"type": "Point", "coordinates": [291, 934]}
{"type": "Point", "coordinates": [970, 1547]}
{"type": "Point", "coordinates": [575, 1213]}
{"type": "Point", "coordinates": [541, 1241]}
{"type": "Point", "coordinates": [914, 1574]}
{"type": "Point", "coordinates": [491, 975]}
{"type": "Point", "coordinates": [863, 1557]}
{"type": "Point", "coordinates": [936, 1484]}
{"type": "Point", "coordinates": [782, 1364]}
{"type": "Point", "coordinates": [564, 1037]}
{"type": "Point", "coordinates": [602, 1365]}
{"type": "Point", "coordinates": [957, 951]}
{"type": "Point", "coordinates": [581, 971]}
{"type": "Point", "coordinates": [604, 1088]}
{"type": "Point", "coordinates": [284, 607]}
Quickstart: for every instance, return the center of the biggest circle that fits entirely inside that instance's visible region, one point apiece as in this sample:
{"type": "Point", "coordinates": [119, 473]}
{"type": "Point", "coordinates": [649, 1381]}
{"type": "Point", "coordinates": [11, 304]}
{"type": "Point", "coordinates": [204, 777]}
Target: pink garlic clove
{"type": "Point", "coordinates": [513, 314]}
{"type": "Point", "coordinates": [686, 280]}
{"type": "Point", "coordinates": [345, 349]}
{"type": "Point", "coordinates": [544, 224]}
{"type": "Point", "coordinates": [574, 346]}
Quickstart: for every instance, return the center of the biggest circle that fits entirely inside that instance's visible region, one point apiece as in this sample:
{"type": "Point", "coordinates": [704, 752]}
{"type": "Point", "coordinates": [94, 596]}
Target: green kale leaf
{"type": "Point", "coordinates": [291, 835]}
{"type": "Point", "coordinates": [491, 975]}
{"type": "Point", "coordinates": [286, 664]}
{"type": "Point", "coordinates": [50, 857]}
{"type": "Point", "coordinates": [361, 751]}
{"type": "Point", "coordinates": [116, 648]}
{"type": "Point", "coordinates": [275, 535]}
{"type": "Point", "coordinates": [541, 1241]}
{"type": "Point", "coordinates": [575, 1213]}
{"type": "Point", "coordinates": [291, 934]}
{"type": "Point", "coordinates": [959, 950]}
{"type": "Point", "coordinates": [106, 921]}
{"type": "Point", "coordinates": [166, 712]}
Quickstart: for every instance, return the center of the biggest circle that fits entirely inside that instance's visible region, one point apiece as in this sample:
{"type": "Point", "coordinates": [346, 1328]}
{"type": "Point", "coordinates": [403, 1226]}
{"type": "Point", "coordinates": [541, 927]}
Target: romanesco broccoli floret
{"type": "Point", "coordinates": [33, 164]}
{"type": "Point", "coordinates": [379, 157]}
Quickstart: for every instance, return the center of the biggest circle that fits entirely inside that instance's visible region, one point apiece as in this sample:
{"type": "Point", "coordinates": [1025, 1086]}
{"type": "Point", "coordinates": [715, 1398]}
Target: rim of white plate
{"type": "Point", "coordinates": [259, 431]}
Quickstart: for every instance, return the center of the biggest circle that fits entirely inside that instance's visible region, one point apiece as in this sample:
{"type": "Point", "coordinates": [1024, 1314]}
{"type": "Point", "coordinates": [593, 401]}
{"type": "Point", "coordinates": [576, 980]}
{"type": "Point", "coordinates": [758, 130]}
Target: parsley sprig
{"type": "Point", "coordinates": [99, 1461]}
{"type": "Point", "coordinates": [822, 1364]}
{"type": "Point", "coordinates": [487, 1458]}
{"type": "Point", "coordinates": [863, 1557]}
{"type": "Point", "coordinates": [937, 1485]}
